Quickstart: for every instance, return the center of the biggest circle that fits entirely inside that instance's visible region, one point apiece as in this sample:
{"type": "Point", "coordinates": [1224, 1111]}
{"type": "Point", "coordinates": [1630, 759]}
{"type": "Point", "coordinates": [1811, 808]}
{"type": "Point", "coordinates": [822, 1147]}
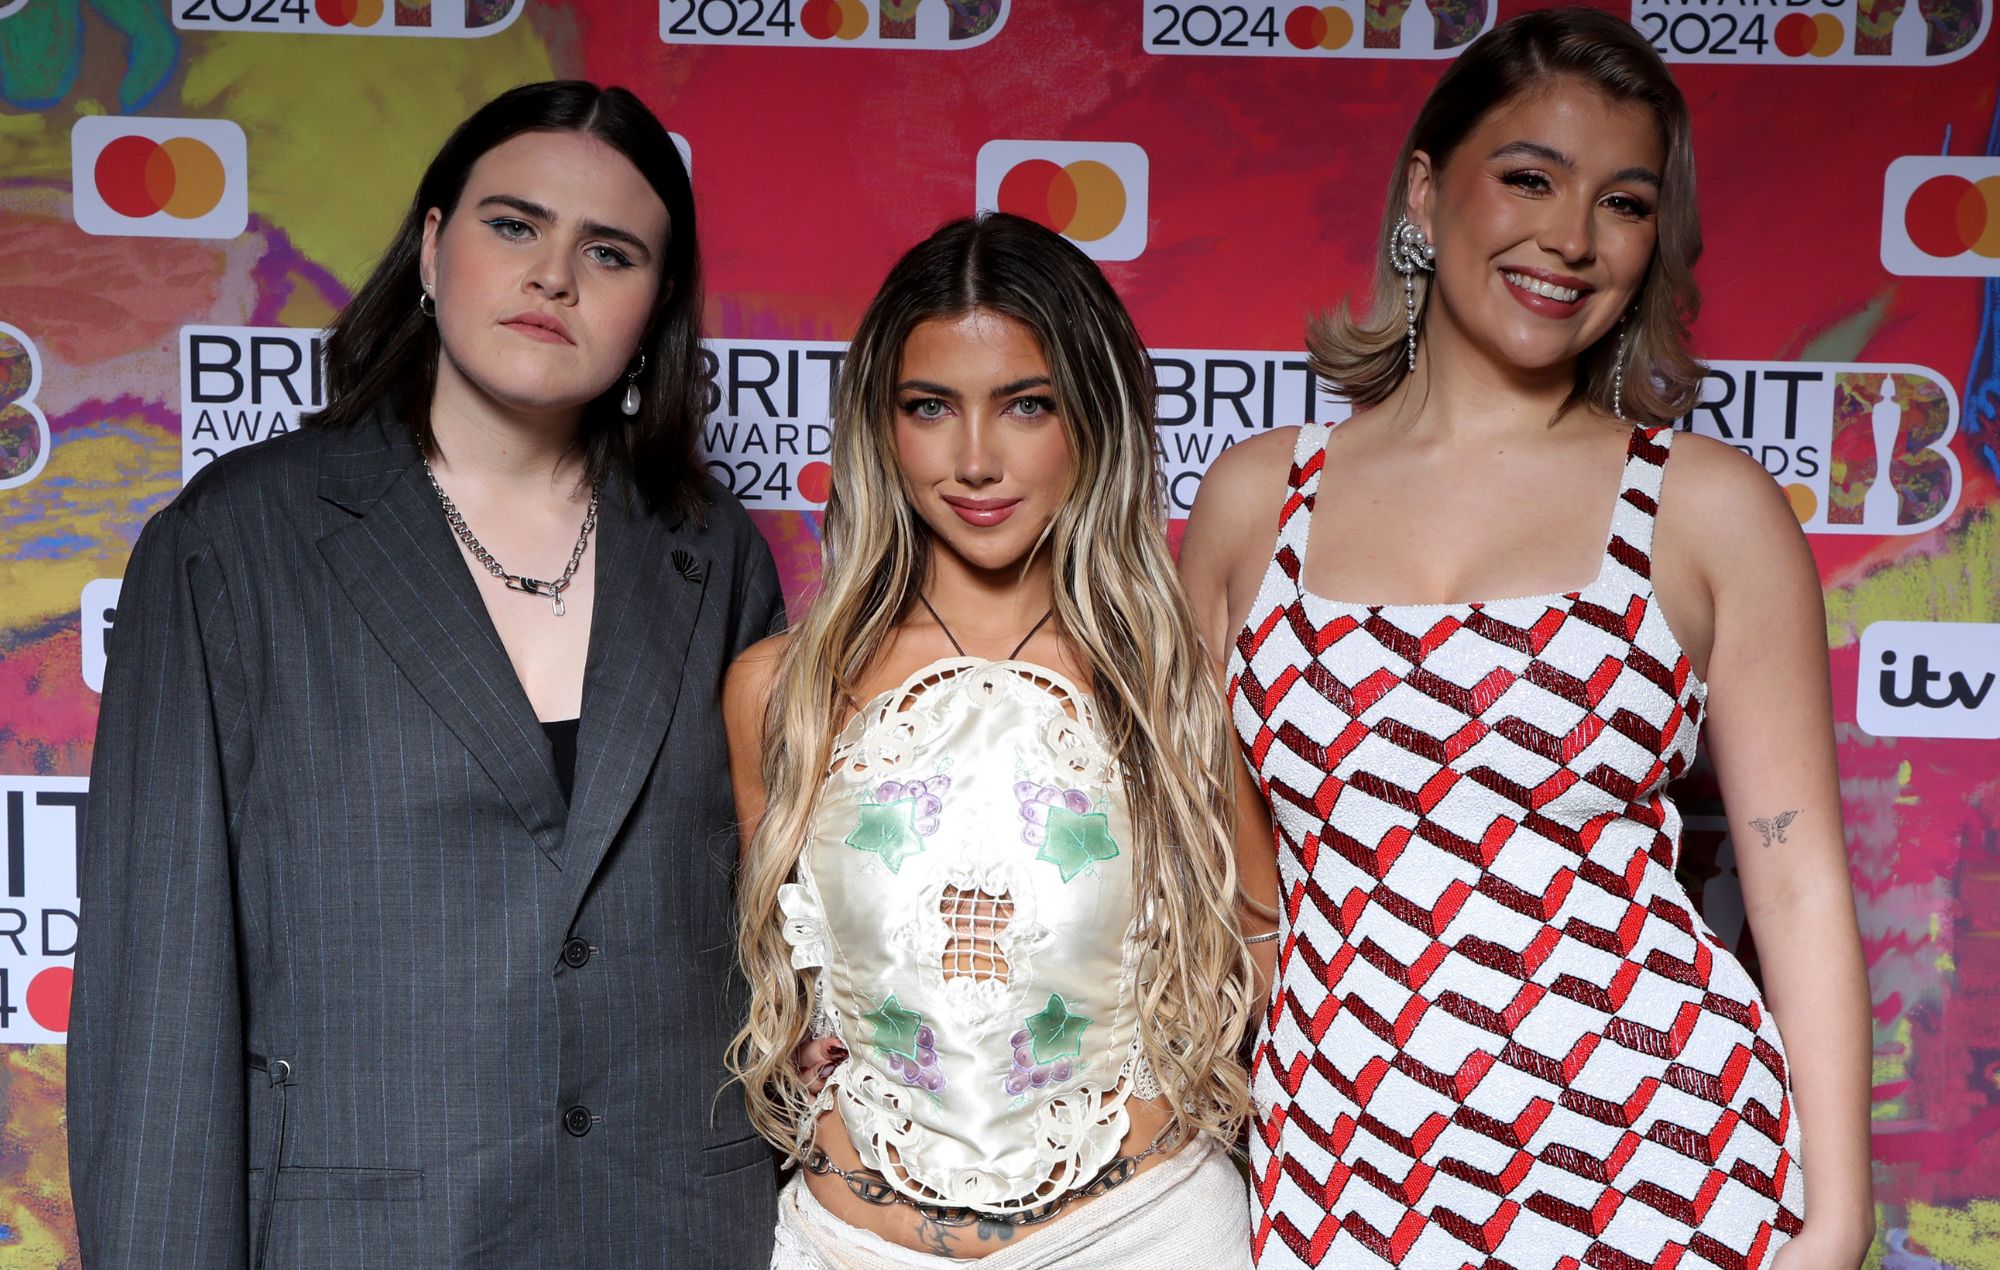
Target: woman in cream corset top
{"type": "Point", "coordinates": [990, 889]}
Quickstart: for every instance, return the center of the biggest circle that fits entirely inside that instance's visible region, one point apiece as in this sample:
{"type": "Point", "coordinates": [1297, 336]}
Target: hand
{"type": "Point", "coordinates": [1821, 1249]}
{"type": "Point", "coordinates": [816, 1060]}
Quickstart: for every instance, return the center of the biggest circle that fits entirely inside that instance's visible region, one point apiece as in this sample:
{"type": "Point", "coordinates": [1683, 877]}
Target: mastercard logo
{"type": "Point", "coordinates": [1092, 193]}
{"type": "Point", "coordinates": [1815, 35]}
{"type": "Point", "coordinates": [1950, 215]}
{"type": "Point", "coordinates": [161, 178]}
{"type": "Point", "coordinates": [1941, 216]}
{"type": "Point", "coordinates": [834, 19]}
{"type": "Point", "coordinates": [137, 176]}
{"type": "Point", "coordinates": [1083, 201]}
{"type": "Point", "coordinates": [348, 12]}
{"type": "Point", "coordinates": [1327, 27]}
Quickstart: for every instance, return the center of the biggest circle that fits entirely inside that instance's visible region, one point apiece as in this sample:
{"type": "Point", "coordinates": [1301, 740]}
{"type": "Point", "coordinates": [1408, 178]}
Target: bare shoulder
{"type": "Point", "coordinates": [1241, 491]}
{"type": "Point", "coordinates": [1732, 521]}
{"type": "Point", "coordinates": [1231, 531]}
{"type": "Point", "coordinates": [747, 687]}
{"type": "Point", "coordinates": [1260, 461]}
{"type": "Point", "coordinates": [1719, 496]}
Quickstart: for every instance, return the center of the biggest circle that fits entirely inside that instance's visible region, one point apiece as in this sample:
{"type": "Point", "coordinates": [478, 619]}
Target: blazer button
{"type": "Point", "coordinates": [577, 1121]}
{"type": "Point", "coordinates": [576, 952]}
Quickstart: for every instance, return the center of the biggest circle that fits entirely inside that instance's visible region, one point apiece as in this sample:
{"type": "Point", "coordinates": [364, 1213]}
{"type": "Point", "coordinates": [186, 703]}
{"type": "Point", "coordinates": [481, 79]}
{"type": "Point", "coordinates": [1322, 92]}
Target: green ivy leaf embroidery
{"type": "Point", "coordinates": [888, 830]}
{"type": "Point", "coordinates": [1073, 841]}
{"type": "Point", "coordinates": [895, 1028]}
{"type": "Point", "coordinates": [1055, 1032]}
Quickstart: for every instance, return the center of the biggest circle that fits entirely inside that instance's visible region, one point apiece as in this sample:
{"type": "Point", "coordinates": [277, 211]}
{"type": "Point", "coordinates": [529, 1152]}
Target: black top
{"type": "Point", "coordinates": [562, 740]}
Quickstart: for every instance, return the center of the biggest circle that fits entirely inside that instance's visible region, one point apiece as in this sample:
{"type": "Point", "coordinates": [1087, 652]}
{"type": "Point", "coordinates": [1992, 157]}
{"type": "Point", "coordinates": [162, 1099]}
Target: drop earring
{"type": "Point", "coordinates": [1618, 375]}
{"type": "Point", "coordinates": [630, 405]}
{"type": "Point", "coordinates": [1409, 253]}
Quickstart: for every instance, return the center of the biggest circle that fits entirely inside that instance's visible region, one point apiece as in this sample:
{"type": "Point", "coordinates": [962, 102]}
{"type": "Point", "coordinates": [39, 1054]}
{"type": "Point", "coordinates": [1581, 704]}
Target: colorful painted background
{"type": "Point", "coordinates": [817, 160]}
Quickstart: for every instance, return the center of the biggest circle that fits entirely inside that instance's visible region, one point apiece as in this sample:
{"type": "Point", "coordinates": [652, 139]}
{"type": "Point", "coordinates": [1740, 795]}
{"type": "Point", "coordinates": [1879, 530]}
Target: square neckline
{"type": "Point", "coordinates": [1603, 556]}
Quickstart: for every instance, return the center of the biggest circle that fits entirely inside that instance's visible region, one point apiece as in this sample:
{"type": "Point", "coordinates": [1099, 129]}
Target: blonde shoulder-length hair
{"type": "Point", "coordinates": [1363, 358]}
{"type": "Point", "coordinates": [1117, 600]}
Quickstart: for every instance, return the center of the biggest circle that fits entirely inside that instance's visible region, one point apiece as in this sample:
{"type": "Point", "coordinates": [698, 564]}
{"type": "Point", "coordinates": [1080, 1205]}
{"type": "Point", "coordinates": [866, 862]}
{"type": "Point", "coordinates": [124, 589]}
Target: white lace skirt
{"type": "Point", "coordinates": [1190, 1213]}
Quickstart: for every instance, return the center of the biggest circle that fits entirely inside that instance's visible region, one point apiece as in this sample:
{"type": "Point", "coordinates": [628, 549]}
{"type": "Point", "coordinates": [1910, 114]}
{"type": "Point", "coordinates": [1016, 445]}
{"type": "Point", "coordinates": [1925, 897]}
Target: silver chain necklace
{"type": "Point", "coordinates": [516, 582]}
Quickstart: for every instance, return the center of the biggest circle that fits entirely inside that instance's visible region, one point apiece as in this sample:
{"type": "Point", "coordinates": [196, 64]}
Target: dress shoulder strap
{"type": "Point", "coordinates": [1630, 550]}
{"type": "Point", "coordinates": [1301, 496]}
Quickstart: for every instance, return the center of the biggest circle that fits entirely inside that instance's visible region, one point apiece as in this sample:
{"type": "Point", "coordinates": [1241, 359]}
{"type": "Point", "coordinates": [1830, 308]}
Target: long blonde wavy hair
{"type": "Point", "coordinates": [1117, 600]}
{"type": "Point", "coordinates": [1363, 358]}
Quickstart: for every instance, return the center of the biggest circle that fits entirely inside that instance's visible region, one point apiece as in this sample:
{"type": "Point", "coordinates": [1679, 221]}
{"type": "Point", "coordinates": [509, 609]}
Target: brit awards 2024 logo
{"type": "Point", "coordinates": [1941, 217]}
{"type": "Point", "coordinates": [1814, 32]}
{"type": "Point", "coordinates": [441, 19]}
{"type": "Point", "coordinates": [1858, 448]}
{"type": "Point", "coordinates": [41, 829]}
{"type": "Point", "coordinates": [243, 384]}
{"type": "Point", "coordinates": [879, 24]}
{"type": "Point", "coordinates": [159, 178]}
{"type": "Point", "coordinates": [1932, 679]}
{"type": "Point", "coordinates": [1091, 192]}
{"type": "Point", "coordinates": [1357, 28]}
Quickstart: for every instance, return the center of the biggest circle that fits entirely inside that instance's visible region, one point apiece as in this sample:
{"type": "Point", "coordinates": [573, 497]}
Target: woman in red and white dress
{"type": "Point", "coordinates": [1500, 1033]}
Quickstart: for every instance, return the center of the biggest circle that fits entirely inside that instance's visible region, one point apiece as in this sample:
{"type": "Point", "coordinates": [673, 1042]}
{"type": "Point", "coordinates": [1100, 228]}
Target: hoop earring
{"type": "Point", "coordinates": [630, 405]}
{"type": "Point", "coordinates": [1618, 375]}
{"type": "Point", "coordinates": [426, 302]}
{"type": "Point", "coordinates": [1409, 253]}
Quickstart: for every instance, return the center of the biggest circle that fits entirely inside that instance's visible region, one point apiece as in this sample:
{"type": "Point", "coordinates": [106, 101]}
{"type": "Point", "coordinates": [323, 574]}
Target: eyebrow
{"type": "Point", "coordinates": [1549, 154]}
{"type": "Point", "coordinates": [1004, 390]}
{"type": "Point", "coordinates": [589, 228]}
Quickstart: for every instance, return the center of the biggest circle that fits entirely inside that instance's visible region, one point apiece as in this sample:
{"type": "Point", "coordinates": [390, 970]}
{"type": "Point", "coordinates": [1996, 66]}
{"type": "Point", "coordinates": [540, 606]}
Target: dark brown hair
{"type": "Point", "coordinates": [1364, 359]}
{"type": "Point", "coordinates": [381, 349]}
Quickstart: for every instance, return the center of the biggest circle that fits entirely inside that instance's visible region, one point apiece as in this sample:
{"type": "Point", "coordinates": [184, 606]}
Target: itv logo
{"type": "Point", "coordinates": [1930, 679]}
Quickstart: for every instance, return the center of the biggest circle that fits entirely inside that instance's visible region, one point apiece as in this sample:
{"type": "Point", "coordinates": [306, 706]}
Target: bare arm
{"type": "Point", "coordinates": [1231, 532]}
{"type": "Point", "coordinates": [1257, 877]}
{"type": "Point", "coordinates": [746, 690]}
{"type": "Point", "coordinates": [1229, 538]}
{"type": "Point", "coordinates": [1770, 728]}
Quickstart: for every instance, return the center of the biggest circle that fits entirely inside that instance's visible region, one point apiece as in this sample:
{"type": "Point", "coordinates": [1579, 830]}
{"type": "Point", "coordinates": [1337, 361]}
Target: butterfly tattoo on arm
{"type": "Point", "coordinates": [1774, 830]}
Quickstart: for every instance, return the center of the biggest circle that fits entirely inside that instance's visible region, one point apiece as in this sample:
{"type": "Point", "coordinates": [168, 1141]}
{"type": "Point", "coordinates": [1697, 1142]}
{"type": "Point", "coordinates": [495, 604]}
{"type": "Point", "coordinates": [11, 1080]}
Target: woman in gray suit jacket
{"type": "Point", "coordinates": [406, 891]}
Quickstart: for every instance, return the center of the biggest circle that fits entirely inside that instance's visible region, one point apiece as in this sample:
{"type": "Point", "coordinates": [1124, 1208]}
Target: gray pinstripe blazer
{"type": "Point", "coordinates": [336, 919]}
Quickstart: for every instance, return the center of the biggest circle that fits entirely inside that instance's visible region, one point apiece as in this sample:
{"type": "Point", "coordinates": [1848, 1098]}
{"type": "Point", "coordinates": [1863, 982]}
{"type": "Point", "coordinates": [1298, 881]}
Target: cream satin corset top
{"type": "Point", "coordinates": [967, 899]}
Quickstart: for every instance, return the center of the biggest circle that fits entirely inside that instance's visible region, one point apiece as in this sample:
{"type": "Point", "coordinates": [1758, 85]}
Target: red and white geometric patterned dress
{"type": "Point", "coordinates": [1499, 1036]}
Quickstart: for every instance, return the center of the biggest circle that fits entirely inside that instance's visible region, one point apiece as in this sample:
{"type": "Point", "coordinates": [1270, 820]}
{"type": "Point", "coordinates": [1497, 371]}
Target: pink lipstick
{"type": "Point", "coordinates": [536, 325]}
{"type": "Point", "coordinates": [984, 512]}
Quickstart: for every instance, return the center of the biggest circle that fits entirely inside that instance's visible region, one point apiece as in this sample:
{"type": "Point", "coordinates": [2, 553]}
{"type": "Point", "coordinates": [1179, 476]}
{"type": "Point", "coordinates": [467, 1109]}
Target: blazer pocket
{"type": "Point", "coordinates": [728, 1157]}
{"type": "Point", "coordinates": [310, 1182]}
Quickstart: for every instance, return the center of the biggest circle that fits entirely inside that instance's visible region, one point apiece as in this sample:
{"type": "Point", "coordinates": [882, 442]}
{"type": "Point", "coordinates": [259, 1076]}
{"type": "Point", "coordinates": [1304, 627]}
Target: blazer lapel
{"type": "Point", "coordinates": [401, 569]}
{"type": "Point", "coordinates": [650, 587]}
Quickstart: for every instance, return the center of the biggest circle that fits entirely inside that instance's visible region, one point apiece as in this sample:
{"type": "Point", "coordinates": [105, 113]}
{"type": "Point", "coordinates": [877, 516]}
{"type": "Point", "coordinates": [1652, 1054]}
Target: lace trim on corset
{"type": "Point", "coordinates": [892, 724]}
